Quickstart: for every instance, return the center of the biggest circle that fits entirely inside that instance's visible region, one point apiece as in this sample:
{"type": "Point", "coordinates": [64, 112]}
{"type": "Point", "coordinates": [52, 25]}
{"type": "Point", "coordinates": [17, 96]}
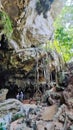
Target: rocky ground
{"type": "Point", "coordinates": [54, 111]}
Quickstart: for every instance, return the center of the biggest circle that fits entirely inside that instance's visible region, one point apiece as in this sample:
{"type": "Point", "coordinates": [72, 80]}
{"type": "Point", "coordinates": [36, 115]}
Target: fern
{"type": "Point", "coordinates": [7, 24]}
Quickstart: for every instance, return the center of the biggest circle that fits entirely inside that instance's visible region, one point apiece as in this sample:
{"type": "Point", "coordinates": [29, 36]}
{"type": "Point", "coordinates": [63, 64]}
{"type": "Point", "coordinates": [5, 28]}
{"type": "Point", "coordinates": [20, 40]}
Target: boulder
{"type": "Point", "coordinates": [3, 93]}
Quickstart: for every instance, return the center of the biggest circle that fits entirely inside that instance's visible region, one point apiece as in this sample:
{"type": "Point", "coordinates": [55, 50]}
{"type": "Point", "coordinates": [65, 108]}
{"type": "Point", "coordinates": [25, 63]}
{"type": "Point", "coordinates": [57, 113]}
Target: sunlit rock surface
{"type": "Point", "coordinates": [37, 28]}
{"type": "Point", "coordinates": [29, 26]}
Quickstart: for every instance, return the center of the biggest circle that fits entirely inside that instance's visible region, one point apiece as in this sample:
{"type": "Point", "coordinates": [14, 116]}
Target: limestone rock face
{"type": "Point", "coordinates": [29, 27]}
{"type": "Point", "coordinates": [11, 105]}
{"type": "Point", "coordinates": [3, 93]}
{"type": "Point", "coordinates": [37, 28]}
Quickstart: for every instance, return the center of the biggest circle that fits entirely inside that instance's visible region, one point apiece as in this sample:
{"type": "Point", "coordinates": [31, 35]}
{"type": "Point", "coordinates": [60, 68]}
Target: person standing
{"type": "Point", "coordinates": [18, 96]}
{"type": "Point", "coordinates": [21, 96]}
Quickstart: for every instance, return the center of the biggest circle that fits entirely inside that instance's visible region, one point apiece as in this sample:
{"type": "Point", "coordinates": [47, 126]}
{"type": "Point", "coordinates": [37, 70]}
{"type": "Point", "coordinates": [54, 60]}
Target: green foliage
{"type": "Point", "coordinates": [17, 116]}
{"type": "Point", "coordinates": [2, 125]}
{"type": "Point", "coordinates": [65, 17]}
{"type": "Point", "coordinates": [63, 38]}
{"type": "Point", "coordinates": [6, 23]}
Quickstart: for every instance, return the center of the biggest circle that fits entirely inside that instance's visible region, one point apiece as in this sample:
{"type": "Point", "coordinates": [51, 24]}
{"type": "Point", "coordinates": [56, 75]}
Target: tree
{"type": "Point", "coordinates": [63, 37]}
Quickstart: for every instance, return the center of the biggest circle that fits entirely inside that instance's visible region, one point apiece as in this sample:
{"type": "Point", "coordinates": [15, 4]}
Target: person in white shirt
{"type": "Point", "coordinates": [17, 96]}
{"type": "Point", "coordinates": [21, 96]}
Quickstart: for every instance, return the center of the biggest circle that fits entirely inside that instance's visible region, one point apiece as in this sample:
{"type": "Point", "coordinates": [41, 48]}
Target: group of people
{"type": "Point", "coordinates": [20, 96]}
